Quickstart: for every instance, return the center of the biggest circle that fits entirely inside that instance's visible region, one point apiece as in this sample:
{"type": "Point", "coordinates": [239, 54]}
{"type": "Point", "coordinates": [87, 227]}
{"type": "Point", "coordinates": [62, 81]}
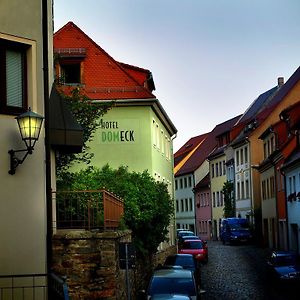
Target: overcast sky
{"type": "Point", "coordinates": [209, 58]}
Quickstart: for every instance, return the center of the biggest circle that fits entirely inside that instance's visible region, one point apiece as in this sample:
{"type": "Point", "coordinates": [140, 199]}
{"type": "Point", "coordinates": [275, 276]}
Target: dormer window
{"type": "Point", "coordinates": [69, 62]}
{"type": "Point", "coordinates": [70, 72]}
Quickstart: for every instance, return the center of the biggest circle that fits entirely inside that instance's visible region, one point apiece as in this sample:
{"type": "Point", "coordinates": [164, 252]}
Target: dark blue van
{"type": "Point", "coordinates": [235, 230]}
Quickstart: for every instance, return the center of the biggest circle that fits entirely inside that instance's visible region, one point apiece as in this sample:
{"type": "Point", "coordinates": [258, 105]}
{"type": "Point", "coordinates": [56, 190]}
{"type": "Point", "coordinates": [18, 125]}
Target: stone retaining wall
{"type": "Point", "coordinates": [90, 261]}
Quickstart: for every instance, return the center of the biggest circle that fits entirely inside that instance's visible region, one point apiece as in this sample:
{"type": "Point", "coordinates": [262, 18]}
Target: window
{"type": "Point", "coordinates": [247, 188]}
{"type": "Point", "coordinates": [190, 181]}
{"type": "Point", "coordinates": [242, 190]}
{"type": "Point", "coordinates": [238, 196]}
{"type": "Point", "coordinates": [70, 72]}
{"type": "Point", "coordinates": [176, 184]}
{"type": "Point", "coordinates": [13, 83]}
{"type": "Point", "coordinates": [162, 142]}
{"type": "Point", "coordinates": [157, 136]}
{"type": "Point", "coordinates": [246, 155]}
{"type": "Point", "coordinates": [242, 156]}
{"type": "Point", "coordinates": [212, 170]}
{"type": "Point", "coordinates": [191, 204]}
{"type": "Point", "coordinates": [237, 157]}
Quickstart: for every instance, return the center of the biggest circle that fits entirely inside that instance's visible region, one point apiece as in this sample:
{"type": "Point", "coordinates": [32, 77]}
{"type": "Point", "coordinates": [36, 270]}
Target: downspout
{"type": "Point", "coordinates": [173, 242]}
{"type": "Point", "coordinates": [47, 140]}
{"type": "Point", "coordinates": [286, 210]}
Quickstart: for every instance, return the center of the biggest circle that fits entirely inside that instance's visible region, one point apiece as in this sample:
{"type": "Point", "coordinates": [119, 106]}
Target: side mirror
{"type": "Point", "coordinates": [142, 295]}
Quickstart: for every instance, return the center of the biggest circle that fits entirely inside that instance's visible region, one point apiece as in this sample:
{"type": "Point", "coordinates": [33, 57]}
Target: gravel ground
{"type": "Point", "coordinates": [238, 272]}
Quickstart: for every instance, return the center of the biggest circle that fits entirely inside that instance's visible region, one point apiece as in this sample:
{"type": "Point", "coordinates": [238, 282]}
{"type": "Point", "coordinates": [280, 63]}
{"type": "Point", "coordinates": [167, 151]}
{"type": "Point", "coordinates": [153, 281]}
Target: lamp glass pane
{"type": "Point", "coordinates": [30, 127]}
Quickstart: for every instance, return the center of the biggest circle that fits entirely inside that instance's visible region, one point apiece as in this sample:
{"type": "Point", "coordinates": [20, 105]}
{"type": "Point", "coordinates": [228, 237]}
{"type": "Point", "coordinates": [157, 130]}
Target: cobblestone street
{"type": "Point", "coordinates": [238, 272]}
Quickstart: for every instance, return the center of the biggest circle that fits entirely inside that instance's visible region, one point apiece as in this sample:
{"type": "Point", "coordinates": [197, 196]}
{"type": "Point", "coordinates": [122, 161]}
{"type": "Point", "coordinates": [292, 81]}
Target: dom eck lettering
{"type": "Point", "coordinates": [115, 135]}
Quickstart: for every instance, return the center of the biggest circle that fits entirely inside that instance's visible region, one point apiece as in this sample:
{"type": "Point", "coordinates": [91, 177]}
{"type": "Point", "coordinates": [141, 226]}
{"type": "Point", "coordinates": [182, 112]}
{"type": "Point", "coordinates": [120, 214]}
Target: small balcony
{"type": "Point", "coordinates": [70, 52]}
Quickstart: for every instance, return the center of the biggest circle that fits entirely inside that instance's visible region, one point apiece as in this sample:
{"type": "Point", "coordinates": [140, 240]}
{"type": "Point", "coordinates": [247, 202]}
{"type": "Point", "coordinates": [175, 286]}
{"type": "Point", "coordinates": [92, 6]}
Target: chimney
{"type": "Point", "coordinates": [280, 81]}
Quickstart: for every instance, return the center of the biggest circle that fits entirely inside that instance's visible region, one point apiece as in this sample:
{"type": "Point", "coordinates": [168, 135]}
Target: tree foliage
{"type": "Point", "coordinates": [87, 113]}
{"type": "Point", "coordinates": [229, 205]}
{"type": "Point", "coordinates": [148, 205]}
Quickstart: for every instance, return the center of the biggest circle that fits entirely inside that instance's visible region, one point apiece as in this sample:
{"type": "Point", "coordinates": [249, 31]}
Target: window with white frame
{"type": "Point", "coordinates": [191, 204]}
{"type": "Point", "coordinates": [163, 143]}
{"type": "Point", "coordinates": [246, 154]}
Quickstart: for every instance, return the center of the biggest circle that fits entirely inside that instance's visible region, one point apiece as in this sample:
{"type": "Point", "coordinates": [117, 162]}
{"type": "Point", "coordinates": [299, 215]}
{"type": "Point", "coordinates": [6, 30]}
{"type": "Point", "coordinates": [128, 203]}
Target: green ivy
{"type": "Point", "coordinates": [148, 205]}
{"type": "Point", "coordinates": [229, 204]}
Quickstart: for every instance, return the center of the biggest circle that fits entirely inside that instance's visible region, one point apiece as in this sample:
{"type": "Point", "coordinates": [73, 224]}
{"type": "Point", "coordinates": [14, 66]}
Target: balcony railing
{"type": "Point", "coordinates": [73, 52]}
{"type": "Point", "coordinates": [89, 209]}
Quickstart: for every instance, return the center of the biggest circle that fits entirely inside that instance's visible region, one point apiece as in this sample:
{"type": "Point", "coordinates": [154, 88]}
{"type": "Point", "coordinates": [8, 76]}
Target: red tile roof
{"type": "Point", "coordinates": [208, 145]}
{"type": "Point", "coordinates": [103, 78]}
{"type": "Point", "coordinates": [188, 147]}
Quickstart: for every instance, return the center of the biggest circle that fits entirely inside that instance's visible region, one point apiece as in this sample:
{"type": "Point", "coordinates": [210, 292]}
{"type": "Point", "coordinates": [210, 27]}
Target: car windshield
{"type": "Point", "coordinates": [164, 285]}
{"type": "Point", "coordinates": [185, 233]}
{"type": "Point", "coordinates": [184, 261]}
{"type": "Point", "coordinates": [190, 237]}
{"type": "Point", "coordinates": [239, 227]}
{"type": "Point", "coordinates": [283, 260]}
{"type": "Point", "coordinates": [193, 245]}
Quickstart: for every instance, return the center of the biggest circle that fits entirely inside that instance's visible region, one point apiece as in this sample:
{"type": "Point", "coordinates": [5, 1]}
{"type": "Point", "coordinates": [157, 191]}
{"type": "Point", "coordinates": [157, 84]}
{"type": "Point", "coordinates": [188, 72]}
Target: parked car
{"type": "Point", "coordinates": [181, 233]}
{"type": "Point", "coordinates": [197, 248]}
{"type": "Point", "coordinates": [187, 237]}
{"type": "Point", "coordinates": [168, 282]}
{"type": "Point", "coordinates": [284, 267]}
{"type": "Point", "coordinates": [186, 261]}
{"type": "Point", "coordinates": [170, 297]}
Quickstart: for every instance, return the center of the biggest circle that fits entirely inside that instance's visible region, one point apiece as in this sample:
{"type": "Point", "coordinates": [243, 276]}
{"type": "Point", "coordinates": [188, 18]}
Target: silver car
{"type": "Point", "coordinates": [172, 282]}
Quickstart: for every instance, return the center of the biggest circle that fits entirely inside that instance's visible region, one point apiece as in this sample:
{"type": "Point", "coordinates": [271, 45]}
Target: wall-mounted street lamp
{"type": "Point", "coordinates": [30, 125]}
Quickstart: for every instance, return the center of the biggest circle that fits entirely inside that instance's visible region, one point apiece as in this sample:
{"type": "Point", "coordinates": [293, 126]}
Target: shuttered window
{"type": "Point", "coordinates": [13, 78]}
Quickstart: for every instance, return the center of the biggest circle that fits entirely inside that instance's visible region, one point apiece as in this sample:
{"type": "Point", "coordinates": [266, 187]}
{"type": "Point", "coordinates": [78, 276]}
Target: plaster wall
{"type": "Point", "coordinates": [23, 195]}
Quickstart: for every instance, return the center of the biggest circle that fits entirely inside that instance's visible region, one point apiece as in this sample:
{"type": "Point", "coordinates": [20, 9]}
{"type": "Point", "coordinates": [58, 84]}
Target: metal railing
{"type": "Point", "coordinates": [33, 287]}
{"type": "Point", "coordinates": [89, 209]}
{"type": "Point", "coordinates": [70, 51]}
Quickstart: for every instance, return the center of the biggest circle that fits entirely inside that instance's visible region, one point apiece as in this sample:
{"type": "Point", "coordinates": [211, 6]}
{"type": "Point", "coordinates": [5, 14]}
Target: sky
{"type": "Point", "coordinates": [209, 59]}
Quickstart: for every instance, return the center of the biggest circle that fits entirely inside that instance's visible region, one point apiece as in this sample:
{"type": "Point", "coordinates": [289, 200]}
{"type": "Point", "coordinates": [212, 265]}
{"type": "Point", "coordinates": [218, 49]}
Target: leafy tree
{"type": "Point", "coordinates": [229, 205]}
{"type": "Point", "coordinates": [87, 113]}
{"type": "Point", "coordinates": [148, 205]}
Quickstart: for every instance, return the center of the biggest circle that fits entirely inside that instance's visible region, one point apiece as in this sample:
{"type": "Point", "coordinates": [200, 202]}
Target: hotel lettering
{"type": "Point", "coordinates": [114, 132]}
